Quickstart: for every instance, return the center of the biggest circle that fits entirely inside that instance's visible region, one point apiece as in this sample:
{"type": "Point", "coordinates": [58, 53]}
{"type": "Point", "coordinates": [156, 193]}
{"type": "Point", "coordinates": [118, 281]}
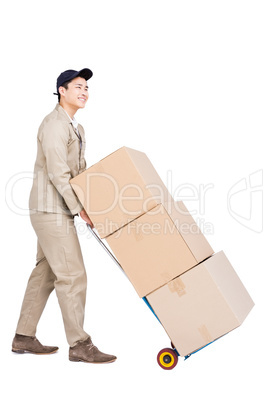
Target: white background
{"type": "Point", "coordinates": [185, 82]}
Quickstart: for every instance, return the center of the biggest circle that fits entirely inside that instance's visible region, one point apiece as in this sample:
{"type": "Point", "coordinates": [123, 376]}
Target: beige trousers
{"type": "Point", "coordinates": [59, 265]}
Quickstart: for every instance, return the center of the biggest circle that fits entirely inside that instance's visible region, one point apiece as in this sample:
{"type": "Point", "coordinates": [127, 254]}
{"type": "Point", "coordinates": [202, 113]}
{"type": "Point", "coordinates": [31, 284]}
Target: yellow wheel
{"type": "Point", "coordinates": [167, 359]}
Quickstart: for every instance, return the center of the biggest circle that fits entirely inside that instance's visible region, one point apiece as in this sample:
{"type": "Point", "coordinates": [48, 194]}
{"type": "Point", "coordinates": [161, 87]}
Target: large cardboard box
{"type": "Point", "coordinates": [158, 246]}
{"type": "Point", "coordinates": [202, 304]}
{"type": "Point", "coordinates": [118, 189]}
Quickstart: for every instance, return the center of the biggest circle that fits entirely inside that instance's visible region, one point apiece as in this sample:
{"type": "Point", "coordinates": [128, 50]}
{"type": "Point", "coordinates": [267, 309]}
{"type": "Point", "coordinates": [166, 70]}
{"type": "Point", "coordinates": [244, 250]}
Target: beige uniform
{"type": "Point", "coordinates": [53, 204]}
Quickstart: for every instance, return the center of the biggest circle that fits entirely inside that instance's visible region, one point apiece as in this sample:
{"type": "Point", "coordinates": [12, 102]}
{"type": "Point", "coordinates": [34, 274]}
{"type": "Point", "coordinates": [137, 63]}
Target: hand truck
{"type": "Point", "coordinates": [167, 358]}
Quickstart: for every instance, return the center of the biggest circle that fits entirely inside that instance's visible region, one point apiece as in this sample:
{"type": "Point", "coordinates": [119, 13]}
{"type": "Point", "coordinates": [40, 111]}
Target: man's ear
{"type": "Point", "coordinates": [62, 91]}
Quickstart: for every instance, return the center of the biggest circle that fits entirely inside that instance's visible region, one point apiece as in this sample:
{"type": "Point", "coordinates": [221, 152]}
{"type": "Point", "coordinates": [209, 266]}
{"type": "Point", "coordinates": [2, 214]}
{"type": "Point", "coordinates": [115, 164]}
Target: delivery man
{"type": "Point", "coordinates": [53, 205]}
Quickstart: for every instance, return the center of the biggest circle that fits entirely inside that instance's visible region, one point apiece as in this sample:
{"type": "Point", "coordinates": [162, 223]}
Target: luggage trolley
{"type": "Point", "coordinates": [167, 358]}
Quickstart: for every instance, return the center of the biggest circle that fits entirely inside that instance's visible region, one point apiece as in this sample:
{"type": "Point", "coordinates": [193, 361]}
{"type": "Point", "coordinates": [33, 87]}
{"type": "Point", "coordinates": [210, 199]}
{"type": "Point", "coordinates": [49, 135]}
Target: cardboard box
{"type": "Point", "coordinates": [202, 304]}
{"type": "Point", "coordinates": [118, 189]}
{"type": "Point", "coordinates": [158, 246]}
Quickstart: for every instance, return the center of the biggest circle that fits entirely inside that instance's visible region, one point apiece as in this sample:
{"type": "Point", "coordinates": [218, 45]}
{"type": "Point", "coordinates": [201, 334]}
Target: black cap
{"type": "Point", "coordinates": [69, 75]}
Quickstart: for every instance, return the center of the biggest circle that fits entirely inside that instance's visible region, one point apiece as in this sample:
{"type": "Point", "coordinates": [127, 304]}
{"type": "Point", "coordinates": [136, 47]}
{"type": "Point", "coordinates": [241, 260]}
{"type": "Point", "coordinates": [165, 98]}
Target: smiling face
{"type": "Point", "coordinates": [75, 96]}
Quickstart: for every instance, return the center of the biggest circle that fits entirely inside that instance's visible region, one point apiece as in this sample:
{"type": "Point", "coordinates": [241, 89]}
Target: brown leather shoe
{"type": "Point", "coordinates": [29, 344]}
{"type": "Point", "coordinates": [85, 351]}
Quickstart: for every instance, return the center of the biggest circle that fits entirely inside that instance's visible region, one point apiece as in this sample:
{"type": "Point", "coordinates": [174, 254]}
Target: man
{"type": "Point", "coordinates": [53, 205]}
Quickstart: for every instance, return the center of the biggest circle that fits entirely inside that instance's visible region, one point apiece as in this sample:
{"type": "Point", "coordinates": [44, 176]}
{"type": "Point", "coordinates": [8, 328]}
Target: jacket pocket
{"type": "Point", "coordinates": [71, 141]}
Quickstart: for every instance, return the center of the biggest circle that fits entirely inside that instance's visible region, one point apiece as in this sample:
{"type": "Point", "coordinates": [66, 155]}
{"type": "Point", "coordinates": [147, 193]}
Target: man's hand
{"type": "Point", "coordinates": [86, 218]}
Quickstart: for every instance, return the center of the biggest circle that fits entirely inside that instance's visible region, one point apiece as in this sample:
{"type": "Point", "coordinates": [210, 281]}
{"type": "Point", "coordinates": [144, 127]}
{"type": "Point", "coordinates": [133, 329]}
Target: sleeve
{"type": "Point", "coordinates": [54, 140]}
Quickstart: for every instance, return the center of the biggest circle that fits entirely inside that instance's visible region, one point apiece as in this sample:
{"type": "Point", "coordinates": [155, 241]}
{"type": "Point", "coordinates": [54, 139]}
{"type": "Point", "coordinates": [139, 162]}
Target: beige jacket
{"type": "Point", "coordinates": [59, 158]}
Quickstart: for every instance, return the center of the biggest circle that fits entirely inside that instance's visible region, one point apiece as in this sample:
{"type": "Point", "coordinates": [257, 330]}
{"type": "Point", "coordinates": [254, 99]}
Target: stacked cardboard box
{"type": "Point", "coordinates": [195, 293]}
{"type": "Point", "coordinates": [201, 305]}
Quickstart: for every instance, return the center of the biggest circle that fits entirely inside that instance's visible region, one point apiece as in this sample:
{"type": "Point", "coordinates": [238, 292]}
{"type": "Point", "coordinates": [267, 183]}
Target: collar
{"type": "Point", "coordinates": [72, 121]}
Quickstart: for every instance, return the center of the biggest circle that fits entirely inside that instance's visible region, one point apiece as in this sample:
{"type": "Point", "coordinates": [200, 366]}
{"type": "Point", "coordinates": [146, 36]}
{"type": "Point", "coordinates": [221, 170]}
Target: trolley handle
{"type": "Point", "coordinates": [93, 232]}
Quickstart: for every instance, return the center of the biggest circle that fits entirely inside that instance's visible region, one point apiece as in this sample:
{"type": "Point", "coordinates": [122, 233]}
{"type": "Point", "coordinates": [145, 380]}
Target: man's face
{"type": "Point", "coordinates": [76, 95]}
